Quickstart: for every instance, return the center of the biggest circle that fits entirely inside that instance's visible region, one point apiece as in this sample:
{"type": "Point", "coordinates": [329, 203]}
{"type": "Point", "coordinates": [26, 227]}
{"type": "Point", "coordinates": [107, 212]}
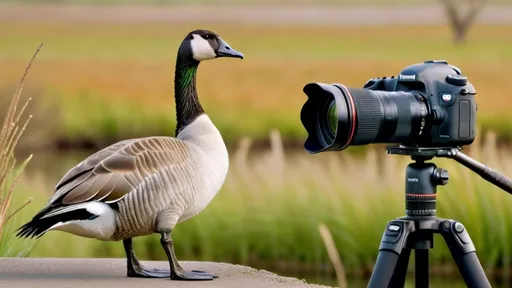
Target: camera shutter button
{"type": "Point", "coordinates": [457, 80]}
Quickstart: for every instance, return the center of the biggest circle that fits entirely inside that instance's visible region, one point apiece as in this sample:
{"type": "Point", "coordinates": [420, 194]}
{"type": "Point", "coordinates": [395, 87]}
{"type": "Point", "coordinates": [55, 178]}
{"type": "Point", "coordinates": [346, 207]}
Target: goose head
{"type": "Point", "coordinates": [201, 45]}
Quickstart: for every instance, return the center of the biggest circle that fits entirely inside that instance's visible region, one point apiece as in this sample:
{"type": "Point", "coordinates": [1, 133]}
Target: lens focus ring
{"type": "Point", "coordinates": [369, 115]}
{"type": "Point", "coordinates": [386, 117]}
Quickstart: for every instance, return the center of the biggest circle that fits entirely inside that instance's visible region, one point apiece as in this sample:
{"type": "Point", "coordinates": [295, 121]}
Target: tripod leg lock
{"type": "Point", "coordinates": [391, 266]}
{"type": "Point", "coordinates": [395, 237]}
{"type": "Point", "coordinates": [464, 253]}
{"type": "Point", "coordinates": [456, 236]}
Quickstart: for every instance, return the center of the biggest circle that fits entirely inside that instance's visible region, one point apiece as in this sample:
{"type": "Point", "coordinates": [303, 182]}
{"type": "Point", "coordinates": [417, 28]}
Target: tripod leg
{"type": "Point", "coordinates": [398, 279]}
{"type": "Point", "coordinates": [464, 253]}
{"type": "Point", "coordinates": [384, 269]}
{"type": "Point", "coordinates": [390, 250]}
{"type": "Point", "coordinates": [421, 259]}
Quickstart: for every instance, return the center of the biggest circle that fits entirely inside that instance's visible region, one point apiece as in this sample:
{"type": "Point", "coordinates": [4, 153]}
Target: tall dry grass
{"type": "Point", "coordinates": [10, 133]}
{"type": "Point", "coordinates": [333, 255]}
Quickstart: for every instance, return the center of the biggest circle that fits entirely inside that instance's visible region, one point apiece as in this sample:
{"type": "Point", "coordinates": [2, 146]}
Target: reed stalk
{"type": "Point", "coordinates": [10, 133]}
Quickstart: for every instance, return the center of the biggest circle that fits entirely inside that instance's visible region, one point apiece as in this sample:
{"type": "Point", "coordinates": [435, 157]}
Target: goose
{"type": "Point", "coordinates": [147, 185]}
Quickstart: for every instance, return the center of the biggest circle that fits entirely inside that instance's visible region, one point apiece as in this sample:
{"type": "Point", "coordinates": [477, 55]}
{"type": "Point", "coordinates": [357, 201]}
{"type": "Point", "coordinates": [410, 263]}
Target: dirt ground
{"type": "Point", "coordinates": [110, 273]}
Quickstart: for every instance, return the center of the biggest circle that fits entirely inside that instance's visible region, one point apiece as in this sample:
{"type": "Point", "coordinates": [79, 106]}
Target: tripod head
{"type": "Point", "coordinates": [423, 178]}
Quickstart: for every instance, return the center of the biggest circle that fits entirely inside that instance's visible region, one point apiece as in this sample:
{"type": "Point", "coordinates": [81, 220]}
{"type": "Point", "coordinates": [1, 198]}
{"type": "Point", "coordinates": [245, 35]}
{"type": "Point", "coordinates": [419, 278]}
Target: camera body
{"type": "Point", "coordinates": [429, 104]}
{"type": "Point", "coordinates": [450, 98]}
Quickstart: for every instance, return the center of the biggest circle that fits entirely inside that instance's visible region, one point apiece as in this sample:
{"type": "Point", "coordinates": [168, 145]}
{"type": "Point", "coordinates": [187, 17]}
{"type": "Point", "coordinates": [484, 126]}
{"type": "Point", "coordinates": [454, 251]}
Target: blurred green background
{"type": "Point", "coordinates": [105, 73]}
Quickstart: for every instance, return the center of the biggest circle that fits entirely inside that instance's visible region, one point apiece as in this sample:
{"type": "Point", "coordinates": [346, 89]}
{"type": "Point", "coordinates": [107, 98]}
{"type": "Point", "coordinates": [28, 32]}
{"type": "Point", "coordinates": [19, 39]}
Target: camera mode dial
{"type": "Point", "coordinates": [457, 80]}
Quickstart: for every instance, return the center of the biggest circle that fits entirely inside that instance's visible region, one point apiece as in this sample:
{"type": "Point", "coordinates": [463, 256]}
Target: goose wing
{"type": "Point", "coordinates": [113, 172]}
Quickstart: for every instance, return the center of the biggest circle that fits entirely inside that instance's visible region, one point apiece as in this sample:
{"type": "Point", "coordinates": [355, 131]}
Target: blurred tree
{"type": "Point", "coordinates": [460, 21]}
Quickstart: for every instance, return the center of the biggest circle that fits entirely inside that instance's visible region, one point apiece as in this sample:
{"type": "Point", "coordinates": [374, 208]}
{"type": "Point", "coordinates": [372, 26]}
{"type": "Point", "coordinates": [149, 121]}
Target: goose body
{"type": "Point", "coordinates": [153, 179]}
{"type": "Point", "coordinates": [141, 186]}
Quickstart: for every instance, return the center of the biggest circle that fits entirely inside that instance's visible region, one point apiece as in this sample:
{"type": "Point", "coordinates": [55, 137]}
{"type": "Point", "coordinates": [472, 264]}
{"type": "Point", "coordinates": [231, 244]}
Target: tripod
{"type": "Point", "coordinates": [416, 230]}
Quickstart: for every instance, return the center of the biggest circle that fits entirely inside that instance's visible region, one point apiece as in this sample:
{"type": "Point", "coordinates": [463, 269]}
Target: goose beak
{"type": "Point", "coordinates": [226, 51]}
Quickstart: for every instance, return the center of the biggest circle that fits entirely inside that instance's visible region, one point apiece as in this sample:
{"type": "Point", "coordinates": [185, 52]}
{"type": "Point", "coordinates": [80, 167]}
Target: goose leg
{"type": "Point", "coordinates": [135, 269]}
{"type": "Point", "coordinates": [177, 272]}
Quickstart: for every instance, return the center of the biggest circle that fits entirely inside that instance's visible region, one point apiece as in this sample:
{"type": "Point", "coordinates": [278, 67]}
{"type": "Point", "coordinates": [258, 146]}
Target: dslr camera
{"type": "Point", "coordinates": [429, 104]}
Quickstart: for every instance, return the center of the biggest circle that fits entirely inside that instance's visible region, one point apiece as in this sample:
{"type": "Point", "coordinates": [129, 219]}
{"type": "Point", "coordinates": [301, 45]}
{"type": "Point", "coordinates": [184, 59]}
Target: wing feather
{"type": "Point", "coordinates": [91, 161]}
{"type": "Point", "coordinates": [110, 174]}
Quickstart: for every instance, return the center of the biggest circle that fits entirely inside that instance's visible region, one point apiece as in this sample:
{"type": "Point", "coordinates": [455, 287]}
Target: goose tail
{"type": "Point", "coordinates": [48, 219]}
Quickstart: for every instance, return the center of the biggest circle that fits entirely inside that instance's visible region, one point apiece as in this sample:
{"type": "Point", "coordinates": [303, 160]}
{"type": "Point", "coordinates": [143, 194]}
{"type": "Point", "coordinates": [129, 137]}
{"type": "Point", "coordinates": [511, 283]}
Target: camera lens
{"type": "Point", "coordinates": [327, 117]}
{"type": "Point", "coordinates": [332, 117]}
{"type": "Point", "coordinates": [336, 117]}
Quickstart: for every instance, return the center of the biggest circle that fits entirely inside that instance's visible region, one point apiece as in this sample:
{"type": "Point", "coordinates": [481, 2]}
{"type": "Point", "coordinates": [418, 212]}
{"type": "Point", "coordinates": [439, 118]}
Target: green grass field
{"type": "Point", "coordinates": [105, 82]}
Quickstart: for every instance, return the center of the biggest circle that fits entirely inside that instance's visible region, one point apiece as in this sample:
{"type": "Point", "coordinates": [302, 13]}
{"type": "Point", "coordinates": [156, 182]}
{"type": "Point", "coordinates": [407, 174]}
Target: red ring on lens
{"type": "Point", "coordinates": [353, 109]}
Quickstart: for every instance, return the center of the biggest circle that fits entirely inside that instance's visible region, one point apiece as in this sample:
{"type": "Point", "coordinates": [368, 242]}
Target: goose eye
{"type": "Point", "coordinates": [207, 36]}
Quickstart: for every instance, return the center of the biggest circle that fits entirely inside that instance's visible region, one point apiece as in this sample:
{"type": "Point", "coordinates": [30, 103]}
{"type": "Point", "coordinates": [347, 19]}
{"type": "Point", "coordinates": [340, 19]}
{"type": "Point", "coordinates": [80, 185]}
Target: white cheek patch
{"type": "Point", "coordinates": [201, 48]}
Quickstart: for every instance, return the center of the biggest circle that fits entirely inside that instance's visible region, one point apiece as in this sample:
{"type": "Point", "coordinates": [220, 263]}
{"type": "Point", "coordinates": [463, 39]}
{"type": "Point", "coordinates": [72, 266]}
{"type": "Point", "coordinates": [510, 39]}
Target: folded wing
{"type": "Point", "coordinates": [112, 173]}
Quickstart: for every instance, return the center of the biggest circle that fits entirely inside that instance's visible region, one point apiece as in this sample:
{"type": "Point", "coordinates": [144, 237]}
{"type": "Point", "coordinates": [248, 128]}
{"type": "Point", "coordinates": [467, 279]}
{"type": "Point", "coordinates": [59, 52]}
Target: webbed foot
{"type": "Point", "coordinates": [141, 272]}
{"type": "Point", "coordinates": [193, 275]}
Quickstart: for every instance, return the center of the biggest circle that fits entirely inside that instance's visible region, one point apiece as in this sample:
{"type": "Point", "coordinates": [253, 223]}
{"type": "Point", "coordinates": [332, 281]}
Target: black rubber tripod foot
{"type": "Point", "coordinates": [406, 233]}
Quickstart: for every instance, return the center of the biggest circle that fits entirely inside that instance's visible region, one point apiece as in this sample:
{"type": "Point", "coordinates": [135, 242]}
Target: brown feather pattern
{"type": "Point", "coordinates": [146, 174]}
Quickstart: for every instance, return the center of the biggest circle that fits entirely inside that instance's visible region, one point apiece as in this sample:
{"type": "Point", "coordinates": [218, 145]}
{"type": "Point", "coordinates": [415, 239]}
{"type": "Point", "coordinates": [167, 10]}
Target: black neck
{"type": "Point", "coordinates": [188, 107]}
